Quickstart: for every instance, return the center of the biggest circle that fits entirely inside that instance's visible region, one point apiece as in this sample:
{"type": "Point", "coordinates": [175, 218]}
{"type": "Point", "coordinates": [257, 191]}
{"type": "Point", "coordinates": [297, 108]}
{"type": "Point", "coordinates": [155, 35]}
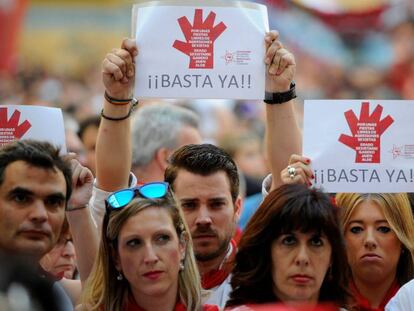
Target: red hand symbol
{"type": "Point", "coordinates": [366, 133]}
{"type": "Point", "coordinates": [200, 39]}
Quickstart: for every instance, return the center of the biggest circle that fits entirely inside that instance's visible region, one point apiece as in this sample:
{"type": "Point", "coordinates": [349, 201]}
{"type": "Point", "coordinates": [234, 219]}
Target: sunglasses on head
{"type": "Point", "coordinates": [121, 198]}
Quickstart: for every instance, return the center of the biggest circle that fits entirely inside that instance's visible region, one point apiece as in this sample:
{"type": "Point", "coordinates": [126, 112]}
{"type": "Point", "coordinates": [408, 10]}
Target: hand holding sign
{"type": "Point", "coordinates": [200, 39]}
{"type": "Point", "coordinates": [118, 70]}
{"type": "Point", "coordinates": [281, 64]}
{"type": "Point", "coordinates": [298, 171]}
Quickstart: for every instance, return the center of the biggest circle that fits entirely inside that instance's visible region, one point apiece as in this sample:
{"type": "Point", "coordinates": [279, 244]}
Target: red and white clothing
{"type": "Point", "coordinates": [403, 299]}
{"type": "Point", "coordinates": [131, 305]}
{"type": "Point", "coordinates": [218, 281]}
{"type": "Point", "coordinates": [362, 304]}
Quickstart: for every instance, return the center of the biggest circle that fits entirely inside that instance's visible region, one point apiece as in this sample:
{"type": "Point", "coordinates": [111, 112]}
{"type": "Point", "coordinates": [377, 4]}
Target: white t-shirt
{"type": "Point", "coordinates": [266, 185]}
{"type": "Point", "coordinates": [220, 294]}
{"type": "Point", "coordinates": [403, 300]}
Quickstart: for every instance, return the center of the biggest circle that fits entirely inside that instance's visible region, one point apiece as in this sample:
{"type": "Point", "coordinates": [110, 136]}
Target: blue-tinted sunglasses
{"type": "Point", "coordinates": [121, 198]}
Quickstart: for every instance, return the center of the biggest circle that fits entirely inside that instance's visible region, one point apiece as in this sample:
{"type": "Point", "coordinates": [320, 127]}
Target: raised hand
{"type": "Point", "coordinates": [82, 181]}
{"type": "Point", "coordinates": [281, 65]}
{"type": "Point", "coordinates": [118, 70]}
{"type": "Point", "coordinates": [298, 171]}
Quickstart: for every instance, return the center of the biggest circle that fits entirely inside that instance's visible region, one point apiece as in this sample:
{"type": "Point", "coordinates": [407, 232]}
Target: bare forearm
{"type": "Point", "coordinates": [113, 149]}
{"type": "Point", "coordinates": [85, 240]}
{"type": "Point", "coordinates": [283, 138]}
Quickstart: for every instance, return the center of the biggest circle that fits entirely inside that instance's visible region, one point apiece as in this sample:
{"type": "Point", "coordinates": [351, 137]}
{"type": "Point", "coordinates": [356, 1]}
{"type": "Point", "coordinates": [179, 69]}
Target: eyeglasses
{"type": "Point", "coordinates": [121, 198]}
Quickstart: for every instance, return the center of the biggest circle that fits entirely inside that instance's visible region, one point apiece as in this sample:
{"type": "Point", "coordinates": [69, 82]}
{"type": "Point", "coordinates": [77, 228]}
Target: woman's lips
{"type": "Point", "coordinates": [370, 257]}
{"type": "Point", "coordinates": [301, 278]}
{"type": "Point", "coordinates": [153, 275]}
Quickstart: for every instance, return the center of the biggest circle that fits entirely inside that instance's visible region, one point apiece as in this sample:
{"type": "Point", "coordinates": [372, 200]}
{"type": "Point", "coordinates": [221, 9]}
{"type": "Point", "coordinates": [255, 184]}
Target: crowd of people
{"type": "Point", "coordinates": [148, 213]}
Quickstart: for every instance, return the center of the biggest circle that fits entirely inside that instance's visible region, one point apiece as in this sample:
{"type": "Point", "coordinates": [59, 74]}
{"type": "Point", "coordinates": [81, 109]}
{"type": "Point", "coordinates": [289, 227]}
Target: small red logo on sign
{"type": "Point", "coordinates": [10, 129]}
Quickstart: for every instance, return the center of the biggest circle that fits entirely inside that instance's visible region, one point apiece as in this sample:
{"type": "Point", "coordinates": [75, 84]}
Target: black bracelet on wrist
{"type": "Point", "coordinates": [134, 104]}
{"type": "Point", "coordinates": [280, 98]}
{"type": "Point", "coordinates": [115, 101]}
{"type": "Point", "coordinates": [71, 208]}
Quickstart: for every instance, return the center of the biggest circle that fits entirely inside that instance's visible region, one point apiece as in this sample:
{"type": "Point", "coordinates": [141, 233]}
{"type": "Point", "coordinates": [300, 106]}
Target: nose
{"type": "Point", "coordinates": [302, 256]}
{"type": "Point", "coordinates": [150, 256]}
{"type": "Point", "coordinates": [38, 212]}
{"type": "Point", "coordinates": [203, 217]}
{"type": "Point", "coordinates": [68, 250]}
{"type": "Point", "coordinates": [370, 241]}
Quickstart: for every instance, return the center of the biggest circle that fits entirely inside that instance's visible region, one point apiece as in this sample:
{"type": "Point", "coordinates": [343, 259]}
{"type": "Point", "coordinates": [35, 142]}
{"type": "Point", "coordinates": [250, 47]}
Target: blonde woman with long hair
{"type": "Point", "coordinates": [145, 259]}
{"type": "Point", "coordinates": [379, 235]}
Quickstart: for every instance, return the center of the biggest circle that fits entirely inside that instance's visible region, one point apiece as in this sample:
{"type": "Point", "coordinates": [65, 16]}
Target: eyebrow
{"type": "Point", "coordinates": [21, 190]}
{"type": "Point", "coordinates": [57, 195]}
{"type": "Point", "coordinates": [362, 222]}
{"type": "Point", "coordinates": [218, 199]}
{"type": "Point", "coordinates": [189, 199]}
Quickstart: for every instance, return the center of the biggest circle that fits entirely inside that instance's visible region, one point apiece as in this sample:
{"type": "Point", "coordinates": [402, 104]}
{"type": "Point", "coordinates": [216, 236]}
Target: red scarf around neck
{"type": "Point", "coordinates": [131, 305]}
{"type": "Point", "coordinates": [362, 304]}
{"type": "Point", "coordinates": [215, 277]}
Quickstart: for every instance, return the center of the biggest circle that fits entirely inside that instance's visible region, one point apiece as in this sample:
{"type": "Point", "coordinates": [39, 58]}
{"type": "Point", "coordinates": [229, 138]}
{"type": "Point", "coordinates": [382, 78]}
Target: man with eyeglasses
{"type": "Point", "coordinates": [204, 178]}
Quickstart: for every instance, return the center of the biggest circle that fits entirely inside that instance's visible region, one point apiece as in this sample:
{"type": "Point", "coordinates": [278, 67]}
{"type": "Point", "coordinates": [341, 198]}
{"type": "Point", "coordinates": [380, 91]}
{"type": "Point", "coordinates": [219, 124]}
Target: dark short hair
{"type": "Point", "coordinates": [286, 209]}
{"type": "Point", "coordinates": [203, 159]}
{"type": "Point", "coordinates": [36, 153]}
{"type": "Point", "coordinates": [91, 121]}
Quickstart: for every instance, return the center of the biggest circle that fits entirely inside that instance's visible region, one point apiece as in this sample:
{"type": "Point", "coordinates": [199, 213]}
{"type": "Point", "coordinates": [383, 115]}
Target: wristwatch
{"type": "Point", "coordinates": [280, 98]}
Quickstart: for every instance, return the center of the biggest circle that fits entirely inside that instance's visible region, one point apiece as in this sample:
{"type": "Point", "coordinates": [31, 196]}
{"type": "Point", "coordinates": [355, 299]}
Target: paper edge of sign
{"type": "Point", "coordinates": [192, 3]}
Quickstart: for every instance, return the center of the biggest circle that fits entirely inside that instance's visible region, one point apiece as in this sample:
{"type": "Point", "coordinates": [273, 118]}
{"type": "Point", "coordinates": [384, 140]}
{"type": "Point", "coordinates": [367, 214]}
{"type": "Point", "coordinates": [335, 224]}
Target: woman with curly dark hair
{"type": "Point", "coordinates": [292, 252]}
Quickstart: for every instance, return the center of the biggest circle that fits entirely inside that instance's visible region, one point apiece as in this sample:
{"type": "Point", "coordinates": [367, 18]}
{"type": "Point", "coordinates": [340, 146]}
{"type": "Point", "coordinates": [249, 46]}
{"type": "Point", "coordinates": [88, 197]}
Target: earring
{"type": "Point", "coordinates": [182, 265]}
{"type": "Point", "coordinates": [120, 277]}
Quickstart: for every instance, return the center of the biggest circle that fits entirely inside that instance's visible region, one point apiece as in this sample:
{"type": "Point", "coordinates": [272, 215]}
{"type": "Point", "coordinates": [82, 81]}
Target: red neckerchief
{"type": "Point", "coordinates": [216, 277]}
{"type": "Point", "coordinates": [362, 304]}
{"type": "Point", "coordinates": [131, 305]}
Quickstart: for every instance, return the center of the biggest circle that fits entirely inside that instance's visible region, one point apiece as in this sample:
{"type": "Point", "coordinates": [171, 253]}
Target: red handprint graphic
{"type": "Point", "coordinates": [11, 130]}
{"type": "Point", "coordinates": [366, 133]}
{"type": "Point", "coordinates": [200, 39]}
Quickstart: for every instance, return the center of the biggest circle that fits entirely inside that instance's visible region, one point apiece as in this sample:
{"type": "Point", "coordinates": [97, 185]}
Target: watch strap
{"type": "Point", "coordinates": [282, 97]}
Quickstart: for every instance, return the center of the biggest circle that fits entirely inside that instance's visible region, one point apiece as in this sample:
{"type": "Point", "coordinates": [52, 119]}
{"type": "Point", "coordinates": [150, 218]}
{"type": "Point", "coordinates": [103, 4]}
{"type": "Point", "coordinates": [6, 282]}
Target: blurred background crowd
{"type": "Point", "coordinates": [51, 53]}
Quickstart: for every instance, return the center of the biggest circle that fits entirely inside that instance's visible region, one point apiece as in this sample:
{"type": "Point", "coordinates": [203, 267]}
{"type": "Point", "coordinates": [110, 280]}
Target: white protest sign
{"type": "Point", "coordinates": [32, 122]}
{"type": "Point", "coordinates": [200, 49]}
{"type": "Point", "coordinates": [360, 145]}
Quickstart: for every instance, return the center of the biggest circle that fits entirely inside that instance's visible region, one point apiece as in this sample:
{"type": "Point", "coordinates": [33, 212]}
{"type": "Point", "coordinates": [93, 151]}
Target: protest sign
{"type": "Point", "coordinates": [200, 49]}
{"type": "Point", "coordinates": [32, 122]}
{"type": "Point", "coordinates": [360, 145]}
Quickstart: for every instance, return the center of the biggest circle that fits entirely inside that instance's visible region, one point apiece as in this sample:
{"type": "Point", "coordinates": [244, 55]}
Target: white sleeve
{"type": "Point", "coordinates": [266, 185]}
{"type": "Point", "coordinates": [97, 201]}
{"type": "Point", "coordinates": [403, 300]}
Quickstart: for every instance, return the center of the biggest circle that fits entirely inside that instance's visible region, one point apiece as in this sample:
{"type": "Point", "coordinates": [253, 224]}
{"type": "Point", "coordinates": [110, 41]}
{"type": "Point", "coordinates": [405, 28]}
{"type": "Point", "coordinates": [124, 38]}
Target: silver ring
{"type": "Point", "coordinates": [291, 171]}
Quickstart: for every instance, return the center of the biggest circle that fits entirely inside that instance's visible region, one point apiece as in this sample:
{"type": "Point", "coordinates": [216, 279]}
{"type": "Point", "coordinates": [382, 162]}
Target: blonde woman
{"type": "Point", "coordinates": [145, 259]}
{"type": "Point", "coordinates": [379, 234]}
